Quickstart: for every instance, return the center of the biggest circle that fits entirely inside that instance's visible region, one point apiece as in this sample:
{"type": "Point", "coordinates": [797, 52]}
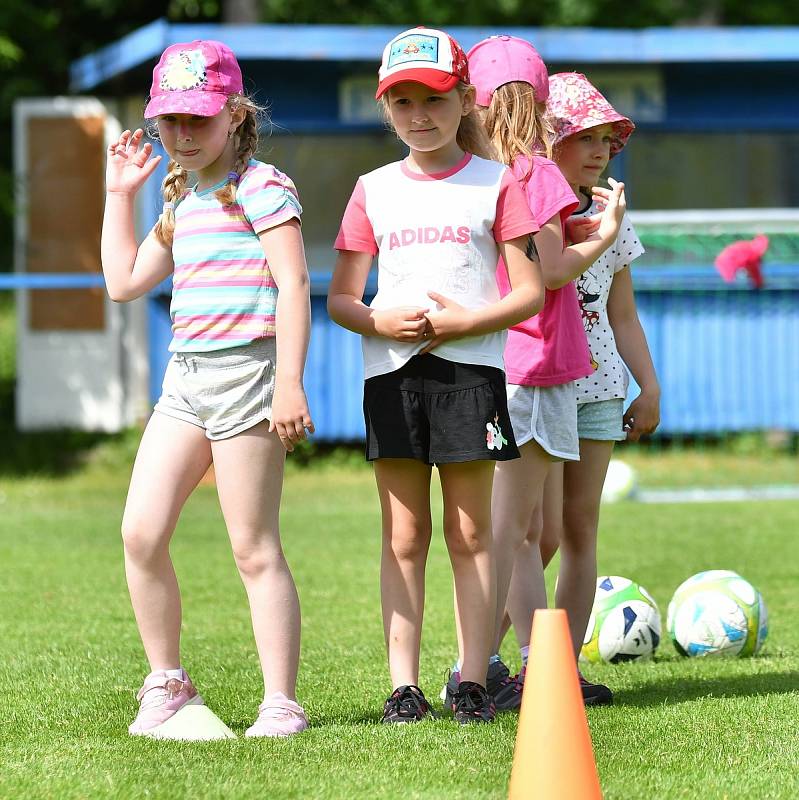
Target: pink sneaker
{"type": "Point", "coordinates": [278, 716]}
{"type": "Point", "coordinates": [161, 698]}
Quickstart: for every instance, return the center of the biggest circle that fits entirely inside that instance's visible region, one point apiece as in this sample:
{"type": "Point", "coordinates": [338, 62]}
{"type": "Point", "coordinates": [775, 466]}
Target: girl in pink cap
{"type": "Point", "coordinates": [546, 353]}
{"type": "Point", "coordinates": [588, 133]}
{"type": "Point", "coordinates": [432, 340]}
{"type": "Point", "coordinates": [230, 239]}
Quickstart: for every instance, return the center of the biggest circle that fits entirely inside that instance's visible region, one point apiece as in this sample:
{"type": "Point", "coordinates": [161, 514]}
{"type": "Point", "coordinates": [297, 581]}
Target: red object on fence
{"type": "Point", "coordinates": [746, 255]}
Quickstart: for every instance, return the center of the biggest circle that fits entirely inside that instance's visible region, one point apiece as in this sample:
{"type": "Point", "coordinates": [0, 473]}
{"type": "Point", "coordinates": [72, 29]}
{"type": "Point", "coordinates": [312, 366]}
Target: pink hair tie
{"type": "Point", "coordinates": [233, 177]}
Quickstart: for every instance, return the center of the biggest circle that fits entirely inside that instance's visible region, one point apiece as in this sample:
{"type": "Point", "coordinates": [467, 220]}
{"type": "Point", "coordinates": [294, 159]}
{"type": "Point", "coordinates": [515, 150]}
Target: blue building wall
{"type": "Point", "coordinates": [727, 356]}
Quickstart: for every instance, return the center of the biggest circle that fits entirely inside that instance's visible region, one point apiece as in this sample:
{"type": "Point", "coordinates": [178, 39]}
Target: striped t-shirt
{"type": "Point", "coordinates": [223, 293]}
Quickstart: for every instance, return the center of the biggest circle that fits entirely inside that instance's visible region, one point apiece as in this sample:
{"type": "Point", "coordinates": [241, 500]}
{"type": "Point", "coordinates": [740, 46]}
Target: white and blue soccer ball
{"type": "Point", "coordinates": [717, 613]}
{"type": "Point", "coordinates": [620, 482]}
{"type": "Point", "coordinates": [624, 624]}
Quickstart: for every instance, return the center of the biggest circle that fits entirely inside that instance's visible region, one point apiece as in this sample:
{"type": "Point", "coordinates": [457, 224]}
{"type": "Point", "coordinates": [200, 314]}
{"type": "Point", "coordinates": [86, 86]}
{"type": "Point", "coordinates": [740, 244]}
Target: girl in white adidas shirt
{"type": "Point", "coordinates": [433, 340]}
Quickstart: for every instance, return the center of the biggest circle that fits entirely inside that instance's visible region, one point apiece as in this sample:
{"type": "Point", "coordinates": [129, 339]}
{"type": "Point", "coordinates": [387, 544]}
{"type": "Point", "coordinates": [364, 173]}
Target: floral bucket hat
{"type": "Point", "coordinates": [575, 105]}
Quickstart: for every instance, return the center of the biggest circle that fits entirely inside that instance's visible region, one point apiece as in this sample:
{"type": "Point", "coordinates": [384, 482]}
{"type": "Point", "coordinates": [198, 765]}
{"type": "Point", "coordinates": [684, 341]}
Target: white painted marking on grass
{"type": "Point", "coordinates": [730, 494]}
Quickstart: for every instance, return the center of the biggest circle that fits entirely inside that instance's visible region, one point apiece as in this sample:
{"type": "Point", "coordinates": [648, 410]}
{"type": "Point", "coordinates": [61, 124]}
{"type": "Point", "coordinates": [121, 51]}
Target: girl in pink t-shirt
{"type": "Point", "coordinates": [588, 133]}
{"type": "Point", "coordinates": [545, 353]}
{"type": "Point", "coordinates": [432, 339]}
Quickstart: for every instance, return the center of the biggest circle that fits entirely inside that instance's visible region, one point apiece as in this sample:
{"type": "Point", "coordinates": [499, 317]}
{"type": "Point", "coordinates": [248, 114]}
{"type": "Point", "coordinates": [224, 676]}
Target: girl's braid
{"type": "Point", "coordinates": [173, 188]}
{"type": "Point", "coordinates": [247, 138]}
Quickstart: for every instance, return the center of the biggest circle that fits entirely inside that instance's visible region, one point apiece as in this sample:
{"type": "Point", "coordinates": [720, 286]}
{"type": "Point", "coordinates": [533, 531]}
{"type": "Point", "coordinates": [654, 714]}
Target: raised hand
{"type": "Point", "coordinates": [403, 323]}
{"type": "Point", "coordinates": [613, 203]}
{"type": "Point", "coordinates": [129, 163]}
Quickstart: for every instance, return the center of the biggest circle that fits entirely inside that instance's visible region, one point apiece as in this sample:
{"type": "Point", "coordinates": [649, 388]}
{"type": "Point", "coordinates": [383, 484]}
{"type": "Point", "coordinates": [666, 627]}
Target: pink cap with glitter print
{"type": "Point", "coordinates": [502, 59]}
{"type": "Point", "coordinates": [194, 78]}
{"type": "Point", "coordinates": [423, 55]}
{"type": "Point", "coordinates": [576, 105]}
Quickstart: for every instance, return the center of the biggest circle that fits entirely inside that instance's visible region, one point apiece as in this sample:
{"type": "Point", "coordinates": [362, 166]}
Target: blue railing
{"type": "Point", "coordinates": [727, 355]}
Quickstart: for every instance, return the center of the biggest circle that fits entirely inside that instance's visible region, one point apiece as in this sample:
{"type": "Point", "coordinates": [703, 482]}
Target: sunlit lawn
{"type": "Point", "coordinates": [72, 660]}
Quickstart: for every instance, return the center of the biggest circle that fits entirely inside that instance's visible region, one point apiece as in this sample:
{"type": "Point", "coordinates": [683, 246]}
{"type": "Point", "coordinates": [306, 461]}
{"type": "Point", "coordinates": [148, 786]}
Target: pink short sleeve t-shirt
{"type": "Point", "coordinates": [435, 233]}
{"type": "Point", "coordinates": [549, 348]}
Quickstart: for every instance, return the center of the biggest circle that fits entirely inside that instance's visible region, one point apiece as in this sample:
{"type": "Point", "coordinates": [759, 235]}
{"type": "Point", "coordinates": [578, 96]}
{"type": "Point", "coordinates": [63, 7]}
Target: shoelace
{"type": "Point", "coordinates": [471, 698]}
{"type": "Point", "coordinates": [160, 693]}
{"type": "Point", "coordinates": [408, 701]}
{"type": "Point", "coordinates": [276, 711]}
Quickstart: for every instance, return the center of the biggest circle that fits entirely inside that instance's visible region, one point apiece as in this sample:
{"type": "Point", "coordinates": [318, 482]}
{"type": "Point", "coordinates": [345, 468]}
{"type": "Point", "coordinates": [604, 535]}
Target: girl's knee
{"type": "Point", "coordinates": [407, 544]}
{"type": "Point", "coordinates": [144, 543]}
{"type": "Point", "coordinates": [579, 534]}
{"type": "Point", "coordinates": [467, 542]}
{"type": "Point", "coordinates": [256, 558]}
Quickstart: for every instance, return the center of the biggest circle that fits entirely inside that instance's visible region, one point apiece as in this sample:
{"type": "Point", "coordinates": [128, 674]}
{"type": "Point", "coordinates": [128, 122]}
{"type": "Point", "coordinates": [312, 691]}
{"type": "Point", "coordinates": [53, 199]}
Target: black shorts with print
{"type": "Point", "coordinates": [439, 412]}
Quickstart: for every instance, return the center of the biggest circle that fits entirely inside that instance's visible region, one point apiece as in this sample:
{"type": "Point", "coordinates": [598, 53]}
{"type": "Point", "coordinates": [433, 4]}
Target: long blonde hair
{"type": "Point", "coordinates": [517, 124]}
{"type": "Point", "coordinates": [471, 136]}
{"type": "Point", "coordinates": [174, 186]}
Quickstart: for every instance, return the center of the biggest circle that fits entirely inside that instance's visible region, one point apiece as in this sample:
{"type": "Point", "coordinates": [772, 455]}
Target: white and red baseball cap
{"type": "Point", "coordinates": [423, 55]}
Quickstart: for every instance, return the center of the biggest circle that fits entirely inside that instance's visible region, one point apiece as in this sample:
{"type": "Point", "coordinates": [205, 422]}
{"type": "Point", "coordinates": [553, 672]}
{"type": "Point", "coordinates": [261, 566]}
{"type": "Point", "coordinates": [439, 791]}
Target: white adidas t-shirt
{"type": "Point", "coordinates": [609, 379]}
{"type": "Point", "coordinates": [435, 233]}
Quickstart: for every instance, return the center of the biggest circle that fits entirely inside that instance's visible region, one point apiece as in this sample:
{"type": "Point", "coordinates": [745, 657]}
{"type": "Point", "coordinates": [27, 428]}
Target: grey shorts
{"type": "Point", "coordinates": [547, 414]}
{"type": "Point", "coordinates": [601, 421]}
{"type": "Point", "coordinates": [223, 391]}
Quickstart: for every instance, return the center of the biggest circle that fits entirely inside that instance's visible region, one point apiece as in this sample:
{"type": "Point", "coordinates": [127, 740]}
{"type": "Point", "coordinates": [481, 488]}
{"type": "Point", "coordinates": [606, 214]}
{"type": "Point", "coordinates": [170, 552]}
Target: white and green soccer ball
{"type": "Point", "coordinates": [620, 482]}
{"type": "Point", "coordinates": [717, 613]}
{"type": "Point", "coordinates": [624, 623]}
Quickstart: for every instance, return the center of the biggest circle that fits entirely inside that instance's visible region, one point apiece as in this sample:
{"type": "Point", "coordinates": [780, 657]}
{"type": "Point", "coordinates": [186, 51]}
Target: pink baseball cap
{"type": "Point", "coordinates": [194, 78]}
{"type": "Point", "coordinates": [502, 59]}
{"type": "Point", "coordinates": [423, 55]}
{"type": "Point", "coordinates": [575, 105]}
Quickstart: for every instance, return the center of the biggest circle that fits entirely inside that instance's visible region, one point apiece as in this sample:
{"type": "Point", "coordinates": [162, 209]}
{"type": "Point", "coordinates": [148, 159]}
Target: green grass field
{"type": "Point", "coordinates": [72, 660]}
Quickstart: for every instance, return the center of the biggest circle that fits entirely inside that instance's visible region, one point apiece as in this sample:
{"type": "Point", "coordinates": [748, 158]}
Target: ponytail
{"type": "Point", "coordinates": [517, 124]}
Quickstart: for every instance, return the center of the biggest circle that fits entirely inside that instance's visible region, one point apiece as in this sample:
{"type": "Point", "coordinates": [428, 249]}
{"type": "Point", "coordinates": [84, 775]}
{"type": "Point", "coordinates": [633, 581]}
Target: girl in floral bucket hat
{"type": "Point", "coordinates": [575, 105]}
{"type": "Point", "coordinates": [589, 132]}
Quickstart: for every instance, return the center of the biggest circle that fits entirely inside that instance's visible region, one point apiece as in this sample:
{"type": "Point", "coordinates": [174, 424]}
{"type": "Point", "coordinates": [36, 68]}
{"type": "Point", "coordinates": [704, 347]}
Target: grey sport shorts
{"type": "Point", "coordinates": [222, 391]}
{"type": "Point", "coordinates": [548, 415]}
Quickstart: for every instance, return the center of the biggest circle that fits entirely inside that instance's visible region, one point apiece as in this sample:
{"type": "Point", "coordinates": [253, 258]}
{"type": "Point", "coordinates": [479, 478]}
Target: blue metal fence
{"type": "Point", "coordinates": [727, 356]}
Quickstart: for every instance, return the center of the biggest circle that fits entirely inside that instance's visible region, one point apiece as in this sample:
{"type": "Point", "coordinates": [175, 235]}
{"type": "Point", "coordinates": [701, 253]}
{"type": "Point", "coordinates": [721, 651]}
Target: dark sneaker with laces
{"type": "Point", "coordinates": [506, 689]}
{"type": "Point", "coordinates": [595, 694]}
{"type": "Point", "coordinates": [407, 704]}
{"type": "Point", "coordinates": [450, 687]}
{"type": "Point", "coordinates": [471, 703]}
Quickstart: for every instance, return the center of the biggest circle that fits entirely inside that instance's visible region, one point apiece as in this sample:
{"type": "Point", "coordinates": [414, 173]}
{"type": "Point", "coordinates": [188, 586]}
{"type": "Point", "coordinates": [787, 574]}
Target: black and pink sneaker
{"type": "Point", "coordinates": [407, 704]}
{"type": "Point", "coordinates": [471, 703]}
{"type": "Point", "coordinates": [595, 694]}
{"type": "Point", "coordinates": [506, 689]}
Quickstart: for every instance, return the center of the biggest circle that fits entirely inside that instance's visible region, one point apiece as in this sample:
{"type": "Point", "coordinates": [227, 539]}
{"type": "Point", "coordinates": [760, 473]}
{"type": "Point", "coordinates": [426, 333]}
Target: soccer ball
{"type": "Point", "coordinates": [620, 483]}
{"type": "Point", "coordinates": [624, 624]}
{"type": "Point", "coordinates": [717, 613]}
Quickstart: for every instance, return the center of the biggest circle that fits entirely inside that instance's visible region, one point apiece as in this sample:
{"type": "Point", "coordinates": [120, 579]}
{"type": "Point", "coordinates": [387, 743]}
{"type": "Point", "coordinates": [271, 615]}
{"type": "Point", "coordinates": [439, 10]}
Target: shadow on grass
{"type": "Point", "coordinates": [675, 691]}
{"type": "Point", "coordinates": [46, 453]}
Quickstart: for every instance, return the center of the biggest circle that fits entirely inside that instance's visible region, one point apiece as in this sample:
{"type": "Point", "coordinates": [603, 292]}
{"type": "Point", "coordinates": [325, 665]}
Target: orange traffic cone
{"type": "Point", "coordinates": [553, 759]}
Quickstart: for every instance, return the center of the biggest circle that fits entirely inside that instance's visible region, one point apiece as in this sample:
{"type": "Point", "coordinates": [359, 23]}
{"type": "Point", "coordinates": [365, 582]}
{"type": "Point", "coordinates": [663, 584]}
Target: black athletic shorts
{"type": "Point", "coordinates": [439, 412]}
